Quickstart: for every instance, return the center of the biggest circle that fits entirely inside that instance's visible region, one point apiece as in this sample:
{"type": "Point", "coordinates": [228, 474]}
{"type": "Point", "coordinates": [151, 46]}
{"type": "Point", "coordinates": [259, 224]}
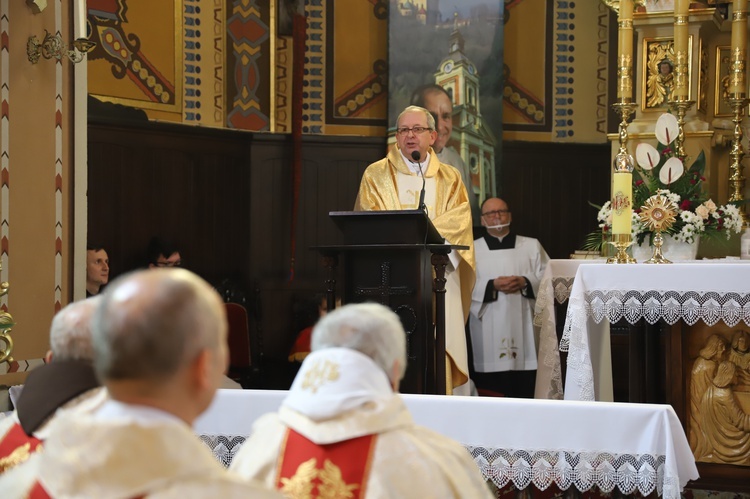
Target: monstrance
{"type": "Point", "coordinates": [658, 214]}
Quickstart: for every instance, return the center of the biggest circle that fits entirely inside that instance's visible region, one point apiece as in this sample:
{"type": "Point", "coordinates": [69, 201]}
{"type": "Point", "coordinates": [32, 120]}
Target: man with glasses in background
{"type": "Point", "coordinates": [163, 253]}
{"type": "Point", "coordinates": [395, 183]}
{"type": "Point", "coordinates": [509, 269]}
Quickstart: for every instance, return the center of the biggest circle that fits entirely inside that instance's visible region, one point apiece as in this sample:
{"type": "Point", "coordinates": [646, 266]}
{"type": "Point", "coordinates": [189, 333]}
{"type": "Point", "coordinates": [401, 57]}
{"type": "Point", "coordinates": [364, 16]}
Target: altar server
{"type": "Point", "coordinates": [343, 430]}
{"type": "Point", "coordinates": [160, 349]}
{"type": "Point", "coordinates": [509, 269]}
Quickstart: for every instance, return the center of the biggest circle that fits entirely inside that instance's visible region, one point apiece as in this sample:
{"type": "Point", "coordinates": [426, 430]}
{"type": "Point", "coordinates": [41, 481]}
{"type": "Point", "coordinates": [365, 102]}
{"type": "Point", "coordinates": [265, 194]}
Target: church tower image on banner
{"type": "Point", "coordinates": [458, 75]}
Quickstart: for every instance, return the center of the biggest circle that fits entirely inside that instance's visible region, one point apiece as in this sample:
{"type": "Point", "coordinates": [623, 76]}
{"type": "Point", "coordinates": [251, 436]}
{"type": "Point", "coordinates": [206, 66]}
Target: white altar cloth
{"type": "Point", "coordinates": [555, 287]}
{"type": "Point", "coordinates": [706, 290]}
{"type": "Point", "coordinates": [635, 447]}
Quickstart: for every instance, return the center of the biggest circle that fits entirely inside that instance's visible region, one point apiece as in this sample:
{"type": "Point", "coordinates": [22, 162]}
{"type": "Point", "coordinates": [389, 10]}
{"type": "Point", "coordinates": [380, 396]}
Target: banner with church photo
{"type": "Point", "coordinates": [448, 58]}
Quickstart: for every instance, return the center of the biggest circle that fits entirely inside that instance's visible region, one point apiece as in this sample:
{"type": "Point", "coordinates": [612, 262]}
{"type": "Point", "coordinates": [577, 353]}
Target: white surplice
{"type": "Point", "coordinates": [502, 331]}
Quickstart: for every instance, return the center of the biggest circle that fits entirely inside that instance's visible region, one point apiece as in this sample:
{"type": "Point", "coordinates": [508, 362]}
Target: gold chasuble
{"type": "Point", "coordinates": [307, 470]}
{"type": "Point", "coordinates": [450, 213]}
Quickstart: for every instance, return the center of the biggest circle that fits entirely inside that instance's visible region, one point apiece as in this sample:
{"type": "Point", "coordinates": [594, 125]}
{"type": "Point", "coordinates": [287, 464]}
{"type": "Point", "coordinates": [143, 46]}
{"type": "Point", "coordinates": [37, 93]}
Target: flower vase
{"type": "Point", "coordinates": [671, 249]}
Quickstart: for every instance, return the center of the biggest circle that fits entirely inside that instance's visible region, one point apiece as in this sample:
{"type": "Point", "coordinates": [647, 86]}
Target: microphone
{"type": "Point", "coordinates": [415, 157]}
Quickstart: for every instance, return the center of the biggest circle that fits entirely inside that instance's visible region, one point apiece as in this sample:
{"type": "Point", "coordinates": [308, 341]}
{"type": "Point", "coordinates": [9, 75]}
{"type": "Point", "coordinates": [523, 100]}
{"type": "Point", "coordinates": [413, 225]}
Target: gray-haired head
{"type": "Point", "coordinates": [70, 332]}
{"type": "Point", "coordinates": [417, 109]}
{"type": "Point", "coordinates": [368, 328]}
{"type": "Point", "coordinates": [152, 322]}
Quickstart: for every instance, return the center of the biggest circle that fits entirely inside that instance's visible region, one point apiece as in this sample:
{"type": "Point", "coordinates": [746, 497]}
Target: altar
{"type": "Point", "coordinates": [706, 291]}
{"type": "Point", "coordinates": [632, 447]}
{"type": "Point", "coordinates": [554, 289]}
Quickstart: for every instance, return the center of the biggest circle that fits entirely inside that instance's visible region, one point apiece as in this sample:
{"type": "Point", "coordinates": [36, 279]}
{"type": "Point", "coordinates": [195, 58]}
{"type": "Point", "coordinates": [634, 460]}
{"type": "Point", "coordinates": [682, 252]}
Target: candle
{"type": "Point", "coordinates": [625, 50]}
{"type": "Point", "coordinates": [739, 47]}
{"type": "Point", "coordinates": [681, 12]}
{"type": "Point", "coordinates": [622, 204]}
{"type": "Point", "coordinates": [80, 15]}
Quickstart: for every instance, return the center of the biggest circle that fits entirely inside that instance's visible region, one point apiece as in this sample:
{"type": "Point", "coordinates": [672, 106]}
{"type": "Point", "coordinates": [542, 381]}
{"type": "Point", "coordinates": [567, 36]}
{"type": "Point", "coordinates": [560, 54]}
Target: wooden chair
{"type": "Point", "coordinates": [240, 361]}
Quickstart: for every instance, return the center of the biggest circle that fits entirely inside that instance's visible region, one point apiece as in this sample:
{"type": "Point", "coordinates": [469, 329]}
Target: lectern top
{"type": "Point", "coordinates": [386, 227]}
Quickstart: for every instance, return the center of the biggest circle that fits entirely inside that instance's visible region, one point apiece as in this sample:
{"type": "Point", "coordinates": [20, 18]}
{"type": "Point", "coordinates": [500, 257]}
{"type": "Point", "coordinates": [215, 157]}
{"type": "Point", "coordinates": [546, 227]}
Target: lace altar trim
{"type": "Point", "coordinates": [690, 306]}
{"type": "Point", "coordinates": [562, 287]}
{"type": "Point", "coordinates": [223, 447]}
{"type": "Point", "coordinates": [614, 305]}
{"type": "Point", "coordinates": [584, 470]}
{"type": "Point", "coordinates": [549, 354]}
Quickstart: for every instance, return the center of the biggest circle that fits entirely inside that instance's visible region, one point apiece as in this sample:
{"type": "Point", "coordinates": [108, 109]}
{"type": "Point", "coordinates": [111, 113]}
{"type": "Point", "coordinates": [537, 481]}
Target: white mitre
{"type": "Point", "coordinates": [335, 380]}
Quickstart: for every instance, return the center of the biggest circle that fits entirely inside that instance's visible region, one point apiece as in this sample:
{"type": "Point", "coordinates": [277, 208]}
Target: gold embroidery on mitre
{"type": "Point", "coordinates": [319, 374]}
{"type": "Point", "coordinates": [332, 483]}
{"type": "Point", "coordinates": [18, 456]}
{"type": "Point", "coordinates": [300, 486]}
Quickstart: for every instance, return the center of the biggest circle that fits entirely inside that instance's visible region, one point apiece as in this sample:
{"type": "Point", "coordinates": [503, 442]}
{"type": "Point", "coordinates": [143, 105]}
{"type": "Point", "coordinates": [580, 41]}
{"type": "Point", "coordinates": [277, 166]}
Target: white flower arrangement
{"type": "Point", "coordinates": [660, 171]}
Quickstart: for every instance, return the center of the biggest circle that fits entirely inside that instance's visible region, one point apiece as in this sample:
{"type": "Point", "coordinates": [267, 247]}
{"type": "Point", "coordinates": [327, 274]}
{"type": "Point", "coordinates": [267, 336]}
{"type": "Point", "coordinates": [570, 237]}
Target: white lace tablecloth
{"type": "Point", "coordinates": [554, 287]}
{"type": "Point", "coordinates": [634, 447]}
{"type": "Point", "coordinates": [706, 291]}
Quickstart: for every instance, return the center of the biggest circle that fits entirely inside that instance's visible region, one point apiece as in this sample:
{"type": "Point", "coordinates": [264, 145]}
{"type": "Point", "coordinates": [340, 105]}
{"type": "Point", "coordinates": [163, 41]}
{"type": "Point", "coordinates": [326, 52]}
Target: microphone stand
{"type": "Point", "coordinates": [422, 206]}
{"type": "Point", "coordinates": [415, 159]}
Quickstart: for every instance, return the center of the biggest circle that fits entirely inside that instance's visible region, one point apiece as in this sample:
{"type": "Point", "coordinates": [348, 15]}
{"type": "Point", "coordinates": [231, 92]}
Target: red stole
{"type": "Point", "coordinates": [16, 447]}
{"type": "Point", "coordinates": [38, 492]}
{"type": "Point", "coordinates": [308, 470]}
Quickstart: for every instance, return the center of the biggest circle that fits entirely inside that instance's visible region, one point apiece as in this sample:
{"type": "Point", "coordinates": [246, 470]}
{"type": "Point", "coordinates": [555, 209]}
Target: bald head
{"type": "Point", "coordinates": [70, 332]}
{"type": "Point", "coordinates": [151, 324]}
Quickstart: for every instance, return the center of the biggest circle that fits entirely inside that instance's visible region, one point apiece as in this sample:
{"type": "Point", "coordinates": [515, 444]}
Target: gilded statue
{"type": "Point", "coordinates": [659, 74]}
{"type": "Point", "coordinates": [704, 370]}
{"type": "Point", "coordinates": [725, 425]}
{"type": "Point", "coordinates": [6, 326]}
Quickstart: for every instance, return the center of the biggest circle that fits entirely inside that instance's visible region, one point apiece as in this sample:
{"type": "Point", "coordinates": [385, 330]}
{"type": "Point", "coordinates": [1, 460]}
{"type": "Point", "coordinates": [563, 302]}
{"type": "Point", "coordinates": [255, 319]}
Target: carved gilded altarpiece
{"type": "Point", "coordinates": [717, 381]}
{"type": "Point", "coordinates": [721, 106]}
{"type": "Point", "coordinates": [658, 74]}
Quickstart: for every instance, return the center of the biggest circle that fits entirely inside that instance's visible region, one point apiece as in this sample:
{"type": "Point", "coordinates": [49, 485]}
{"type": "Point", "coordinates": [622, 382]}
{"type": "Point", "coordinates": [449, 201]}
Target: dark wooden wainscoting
{"type": "Point", "coordinates": [548, 187]}
{"type": "Point", "coordinates": [225, 198]}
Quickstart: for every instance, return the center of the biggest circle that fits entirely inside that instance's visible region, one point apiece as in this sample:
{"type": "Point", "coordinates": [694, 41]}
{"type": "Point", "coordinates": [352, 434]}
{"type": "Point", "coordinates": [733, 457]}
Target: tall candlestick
{"type": "Point", "coordinates": [80, 29]}
{"type": "Point", "coordinates": [681, 12]}
{"type": "Point", "coordinates": [739, 48]}
{"type": "Point", "coordinates": [625, 51]}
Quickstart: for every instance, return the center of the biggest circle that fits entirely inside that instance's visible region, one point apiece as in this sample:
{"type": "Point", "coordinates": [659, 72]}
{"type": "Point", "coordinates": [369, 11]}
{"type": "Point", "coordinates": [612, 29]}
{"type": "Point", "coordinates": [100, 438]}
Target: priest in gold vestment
{"type": "Point", "coordinates": [344, 431]}
{"type": "Point", "coordinates": [395, 183]}
{"type": "Point", "coordinates": [160, 350]}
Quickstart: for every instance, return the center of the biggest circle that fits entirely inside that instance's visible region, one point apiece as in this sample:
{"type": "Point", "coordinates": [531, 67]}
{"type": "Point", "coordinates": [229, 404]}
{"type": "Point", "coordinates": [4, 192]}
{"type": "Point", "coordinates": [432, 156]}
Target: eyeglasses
{"type": "Point", "coordinates": [418, 130]}
{"type": "Point", "coordinates": [495, 213]}
{"type": "Point", "coordinates": [178, 263]}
